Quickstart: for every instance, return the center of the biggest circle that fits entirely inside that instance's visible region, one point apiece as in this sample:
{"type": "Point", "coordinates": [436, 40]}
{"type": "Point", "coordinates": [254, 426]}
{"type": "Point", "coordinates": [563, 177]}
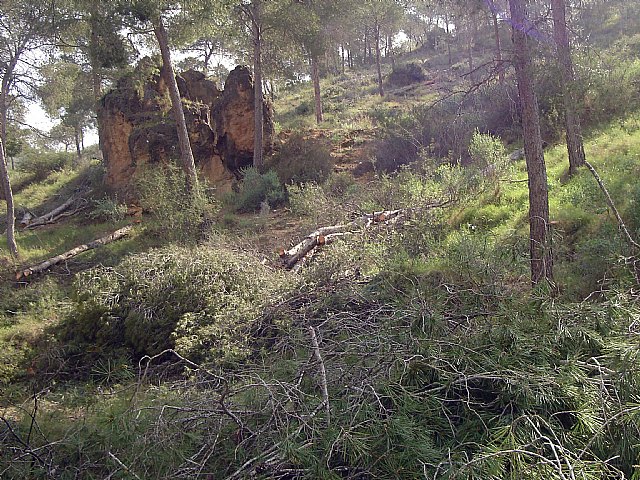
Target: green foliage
{"type": "Point", "coordinates": [256, 188]}
{"type": "Point", "coordinates": [443, 130]}
{"type": "Point", "coordinates": [42, 164]}
{"type": "Point", "coordinates": [177, 213]}
{"type": "Point", "coordinates": [108, 209]}
{"type": "Point", "coordinates": [487, 151]}
{"type": "Point", "coordinates": [302, 160]}
{"type": "Point", "coordinates": [404, 74]}
{"type": "Point", "coordinates": [202, 302]}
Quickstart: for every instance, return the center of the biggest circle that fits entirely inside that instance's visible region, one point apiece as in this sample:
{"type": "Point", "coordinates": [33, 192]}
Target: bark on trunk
{"type": "Point", "coordinates": [496, 32]}
{"type": "Point", "coordinates": [448, 32]}
{"type": "Point", "coordinates": [96, 80]}
{"type": "Point", "coordinates": [186, 155]}
{"type": "Point", "coordinates": [315, 74]}
{"type": "Point", "coordinates": [471, 30]}
{"type": "Point", "coordinates": [8, 195]}
{"type": "Point", "coordinates": [76, 137]}
{"type": "Point", "coordinates": [575, 145]}
{"type": "Point", "coordinates": [258, 138]}
{"type": "Point", "coordinates": [540, 234]}
{"type": "Point", "coordinates": [378, 67]}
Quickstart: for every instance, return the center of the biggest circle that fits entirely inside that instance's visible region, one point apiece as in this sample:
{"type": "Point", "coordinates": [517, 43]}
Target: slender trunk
{"type": "Point", "coordinates": [575, 145]}
{"type": "Point", "coordinates": [186, 155]}
{"type": "Point", "coordinates": [258, 138]}
{"type": "Point", "coordinates": [76, 138]}
{"type": "Point", "coordinates": [470, 49]}
{"type": "Point", "coordinates": [96, 80]}
{"type": "Point", "coordinates": [378, 68]}
{"type": "Point", "coordinates": [8, 196]}
{"type": "Point", "coordinates": [448, 32]}
{"type": "Point", "coordinates": [496, 32]}
{"type": "Point", "coordinates": [342, 58]}
{"type": "Point", "coordinates": [4, 94]}
{"type": "Point", "coordinates": [540, 234]}
{"type": "Point", "coordinates": [315, 74]}
{"type": "Point", "coordinates": [13, 164]}
{"type": "Point", "coordinates": [366, 46]}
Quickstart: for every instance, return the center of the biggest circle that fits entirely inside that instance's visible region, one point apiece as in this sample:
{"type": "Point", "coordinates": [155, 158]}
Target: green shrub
{"type": "Point", "coordinates": [108, 209]}
{"type": "Point", "coordinates": [304, 108]}
{"type": "Point", "coordinates": [202, 302]}
{"type": "Point", "coordinates": [178, 214]}
{"type": "Point", "coordinates": [302, 160]}
{"type": "Point", "coordinates": [41, 164]}
{"type": "Point", "coordinates": [254, 189]}
{"type": "Point", "coordinates": [486, 150]}
{"type": "Point", "coordinates": [404, 74]}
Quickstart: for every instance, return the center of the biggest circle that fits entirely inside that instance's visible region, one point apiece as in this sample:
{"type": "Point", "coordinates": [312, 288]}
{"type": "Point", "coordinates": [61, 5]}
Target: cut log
{"type": "Point", "coordinates": [44, 266]}
{"type": "Point", "coordinates": [326, 235]}
{"type": "Point", "coordinates": [59, 212]}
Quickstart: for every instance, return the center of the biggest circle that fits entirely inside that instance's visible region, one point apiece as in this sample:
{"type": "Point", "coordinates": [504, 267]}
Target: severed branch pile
{"type": "Point", "coordinates": [77, 201]}
{"type": "Point", "coordinates": [293, 258]}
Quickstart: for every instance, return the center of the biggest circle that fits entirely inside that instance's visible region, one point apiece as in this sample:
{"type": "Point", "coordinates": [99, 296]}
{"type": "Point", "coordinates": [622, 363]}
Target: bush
{"type": "Point", "coordinates": [406, 74]}
{"type": "Point", "coordinates": [302, 160]}
{"type": "Point", "coordinates": [487, 152]}
{"type": "Point", "coordinates": [108, 209]}
{"type": "Point", "coordinates": [162, 191]}
{"type": "Point", "coordinates": [255, 189]}
{"type": "Point", "coordinates": [202, 302]}
{"type": "Point", "coordinates": [41, 165]}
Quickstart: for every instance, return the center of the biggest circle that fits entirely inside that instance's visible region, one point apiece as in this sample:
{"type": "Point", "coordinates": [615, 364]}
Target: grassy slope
{"type": "Point", "coordinates": [587, 245]}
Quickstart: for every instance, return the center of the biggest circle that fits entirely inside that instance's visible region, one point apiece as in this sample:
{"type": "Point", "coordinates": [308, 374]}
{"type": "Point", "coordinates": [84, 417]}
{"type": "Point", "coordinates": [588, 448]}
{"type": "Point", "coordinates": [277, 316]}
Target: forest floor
{"type": "Point", "coordinates": [436, 349]}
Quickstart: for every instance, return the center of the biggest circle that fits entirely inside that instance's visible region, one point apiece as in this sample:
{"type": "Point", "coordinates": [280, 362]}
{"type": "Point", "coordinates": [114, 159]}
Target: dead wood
{"type": "Point", "coordinates": [623, 227]}
{"type": "Point", "coordinates": [57, 213]}
{"type": "Point", "coordinates": [44, 266]}
{"type": "Point", "coordinates": [324, 235]}
{"type": "Point", "coordinates": [293, 258]}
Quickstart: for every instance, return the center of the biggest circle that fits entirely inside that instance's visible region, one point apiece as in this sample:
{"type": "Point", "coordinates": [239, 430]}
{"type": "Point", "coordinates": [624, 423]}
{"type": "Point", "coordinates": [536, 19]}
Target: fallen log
{"type": "Point", "coordinates": [48, 217]}
{"type": "Point", "coordinates": [325, 235]}
{"type": "Point", "coordinates": [58, 212]}
{"type": "Point", "coordinates": [42, 267]}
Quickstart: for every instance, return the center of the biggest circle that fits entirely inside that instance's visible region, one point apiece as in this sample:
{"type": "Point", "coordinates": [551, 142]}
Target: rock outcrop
{"type": "Point", "coordinates": [137, 127]}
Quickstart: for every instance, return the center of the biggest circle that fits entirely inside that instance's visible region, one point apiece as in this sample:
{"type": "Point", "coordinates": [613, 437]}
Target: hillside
{"type": "Point", "coordinates": [407, 343]}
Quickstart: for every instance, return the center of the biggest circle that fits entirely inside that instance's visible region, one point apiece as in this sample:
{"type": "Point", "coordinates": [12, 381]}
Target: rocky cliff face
{"type": "Point", "coordinates": [137, 128]}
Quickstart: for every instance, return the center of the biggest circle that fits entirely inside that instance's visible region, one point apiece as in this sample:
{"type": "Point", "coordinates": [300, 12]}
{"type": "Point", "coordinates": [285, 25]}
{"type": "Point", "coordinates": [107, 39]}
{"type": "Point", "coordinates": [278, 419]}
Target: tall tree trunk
{"type": "Point", "coordinates": [76, 138]}
{"type": "Point", "coordinates": [448, 32]}
{"type": "Point", "coordinates": [470, 41]}
{"type": "Point", "coordinates": [342, 58]}
{"type": "Point", "coordinates": [378, 67]}
{"type": "Point", "coordinates": [365, 57]}
{"type": "Point", "coordinates": [186, 155]}
{"type": "Point", "coordinates": [258, 137]}
{"type": "Point", "coordinates": [8, 196]}
{"type": "Point", "coordinates": [575, 145]}
{"type": "Point", "coordinates": [4, 173]}
{"type": "Point", "coordinates": [315, 75]}
{"type": "Point", "coordinates": [496, 33]}
{"type": "Point", "coordinates": [96, 79]}
{"type": "Point", "coordinates": [540, 233]}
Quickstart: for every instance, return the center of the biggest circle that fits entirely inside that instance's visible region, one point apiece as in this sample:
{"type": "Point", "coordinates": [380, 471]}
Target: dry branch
{"type": "Point", "coordinates": [42, 267]}
{"type": "Point", "coordinates": [325, 235]}
{"type": "Point", "coordinates": [632, 243]}
{"type": "Point", "coordinates": [322, 236]}
{"type": "Point", "coordinates": [57, 213]}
